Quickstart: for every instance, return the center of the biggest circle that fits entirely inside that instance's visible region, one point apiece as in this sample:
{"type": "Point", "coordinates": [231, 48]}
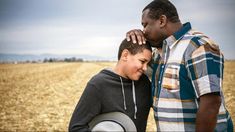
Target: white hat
{"type": "Point", "coordinates": [113, 121]}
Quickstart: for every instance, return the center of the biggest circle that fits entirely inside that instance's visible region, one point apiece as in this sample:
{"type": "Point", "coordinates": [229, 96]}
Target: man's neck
{"type": "Point", "coordinates": [173, 27]}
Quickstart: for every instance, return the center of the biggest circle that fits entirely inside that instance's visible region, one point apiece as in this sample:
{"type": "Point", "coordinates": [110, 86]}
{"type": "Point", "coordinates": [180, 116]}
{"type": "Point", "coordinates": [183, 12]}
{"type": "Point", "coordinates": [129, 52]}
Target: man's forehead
{"type": "Point", "coordinates": [145, 15]}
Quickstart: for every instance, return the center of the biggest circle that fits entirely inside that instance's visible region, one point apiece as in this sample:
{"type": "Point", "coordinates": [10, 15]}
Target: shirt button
{"type": "Point", "coordinates": [162, 66]}
{"type": "Point", "coordinates": [159, 82]}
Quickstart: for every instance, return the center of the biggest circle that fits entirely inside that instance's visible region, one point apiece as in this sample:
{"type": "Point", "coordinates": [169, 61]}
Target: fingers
{"type": "Point", "coordinates": [131, 36]}
{"type": "Point", "coordinates": [128, 36]}
{"type": "Point", "coordinates": [140, 37]}
{"type": "Point", "coordinates": [136, 35]}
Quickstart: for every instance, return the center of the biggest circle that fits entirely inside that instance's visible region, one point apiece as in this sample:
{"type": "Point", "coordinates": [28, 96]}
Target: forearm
{"type": "Point", "coordinates": [206, 120]}
{"type": "Point", "coordinates": [206, 117]}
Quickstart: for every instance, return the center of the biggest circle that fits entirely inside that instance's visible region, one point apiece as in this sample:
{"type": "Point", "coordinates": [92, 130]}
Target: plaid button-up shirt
{"type": "Point", "coordinates": [190, 66]}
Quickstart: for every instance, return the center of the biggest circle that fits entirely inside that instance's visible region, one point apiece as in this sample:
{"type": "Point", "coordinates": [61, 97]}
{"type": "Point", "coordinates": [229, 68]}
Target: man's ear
{"type": "Point", "coordinates": [124, 55]}
{"type": "Point", "coordinates": [163, 20]}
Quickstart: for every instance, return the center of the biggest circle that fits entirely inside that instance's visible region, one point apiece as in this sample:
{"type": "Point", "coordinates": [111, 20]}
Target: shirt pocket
{"type": "Point", "coordinates": [171, 78]}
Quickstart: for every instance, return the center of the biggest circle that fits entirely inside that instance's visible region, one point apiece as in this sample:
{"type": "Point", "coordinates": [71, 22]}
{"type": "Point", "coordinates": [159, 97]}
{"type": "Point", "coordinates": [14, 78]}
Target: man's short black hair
{"type": "Point", "coordinates": [132, 48]}
{"type": "Point", "coordinates": [162, 7]}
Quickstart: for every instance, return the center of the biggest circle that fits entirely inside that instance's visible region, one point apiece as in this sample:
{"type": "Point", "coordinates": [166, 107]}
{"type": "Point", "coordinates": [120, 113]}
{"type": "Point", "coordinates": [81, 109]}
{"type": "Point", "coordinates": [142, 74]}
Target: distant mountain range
{"type": "Point", "coordinates": [31, 57]}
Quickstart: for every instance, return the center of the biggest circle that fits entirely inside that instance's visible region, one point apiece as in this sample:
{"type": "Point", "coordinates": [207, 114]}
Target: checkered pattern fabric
{"type": "Point", "coordinates": [190, 66]}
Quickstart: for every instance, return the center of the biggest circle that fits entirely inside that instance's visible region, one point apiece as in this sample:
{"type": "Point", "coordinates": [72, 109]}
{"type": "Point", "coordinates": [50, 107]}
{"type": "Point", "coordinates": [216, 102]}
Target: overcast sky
{"type": "Point", "coordinates": [96, 27]}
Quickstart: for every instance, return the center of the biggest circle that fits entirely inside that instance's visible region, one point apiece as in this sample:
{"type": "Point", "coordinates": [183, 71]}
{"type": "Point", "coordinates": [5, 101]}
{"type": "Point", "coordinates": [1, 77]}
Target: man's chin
{"type": "Point", "coordinates": [155, 44]}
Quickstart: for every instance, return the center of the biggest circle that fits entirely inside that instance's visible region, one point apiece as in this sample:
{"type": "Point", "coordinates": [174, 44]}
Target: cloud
{"type": "Point", "coordinates": [97, 27]}
{"type": "Point", "coordinates": [61, 39]}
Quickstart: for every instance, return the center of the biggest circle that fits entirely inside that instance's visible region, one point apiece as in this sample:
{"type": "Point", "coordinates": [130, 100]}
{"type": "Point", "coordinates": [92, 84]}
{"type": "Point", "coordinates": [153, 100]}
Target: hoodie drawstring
{"type": "Point", "coordinates": [123, 94]}
{"type": "Point", "coordinates": [134, 97]}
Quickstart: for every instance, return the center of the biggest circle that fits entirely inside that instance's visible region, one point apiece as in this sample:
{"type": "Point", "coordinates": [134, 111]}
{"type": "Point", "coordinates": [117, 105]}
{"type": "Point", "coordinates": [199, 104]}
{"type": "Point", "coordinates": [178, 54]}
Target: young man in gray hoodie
{"type": "Point", "coordinates": [124, 88]}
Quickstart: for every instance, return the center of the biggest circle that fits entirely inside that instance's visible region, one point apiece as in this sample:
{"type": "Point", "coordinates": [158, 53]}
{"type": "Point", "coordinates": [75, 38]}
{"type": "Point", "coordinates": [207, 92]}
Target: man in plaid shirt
{"type": "Point", "coordinates": [187, 72]}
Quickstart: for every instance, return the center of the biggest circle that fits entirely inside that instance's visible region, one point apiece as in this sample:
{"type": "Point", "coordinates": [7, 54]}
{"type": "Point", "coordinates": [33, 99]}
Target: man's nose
{"type": "Point", "coordinates": [144, 30]}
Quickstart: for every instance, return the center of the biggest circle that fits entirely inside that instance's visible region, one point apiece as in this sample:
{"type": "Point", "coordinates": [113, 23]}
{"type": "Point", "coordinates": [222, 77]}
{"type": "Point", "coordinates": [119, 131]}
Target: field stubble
{"type": "Point", "coordinates": [42, 97]}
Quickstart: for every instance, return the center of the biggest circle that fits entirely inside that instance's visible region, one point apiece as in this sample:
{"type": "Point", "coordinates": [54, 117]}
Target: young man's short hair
{"type": "Point", "coordinates": [133, 48]}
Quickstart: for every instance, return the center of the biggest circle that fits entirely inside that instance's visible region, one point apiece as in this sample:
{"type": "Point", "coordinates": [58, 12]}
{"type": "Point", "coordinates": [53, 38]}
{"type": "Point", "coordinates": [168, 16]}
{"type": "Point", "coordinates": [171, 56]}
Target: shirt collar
{"type": "Point", "coordinates": [170, 41]}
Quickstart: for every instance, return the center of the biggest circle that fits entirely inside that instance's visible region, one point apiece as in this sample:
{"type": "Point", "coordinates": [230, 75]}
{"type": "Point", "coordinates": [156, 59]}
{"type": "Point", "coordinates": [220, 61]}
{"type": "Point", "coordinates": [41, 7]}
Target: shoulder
{"type": "Point", "coordinates": [96, 78]}
{"type": "Point", "coordinates": [104, 73]}
{"type": "Point", "coordinates": [200, 45]}
{"type": "Point", "coordinates": [104, 77]}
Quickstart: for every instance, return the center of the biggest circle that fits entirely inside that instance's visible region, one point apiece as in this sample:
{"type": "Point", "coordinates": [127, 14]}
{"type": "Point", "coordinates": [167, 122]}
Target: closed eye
{"type": "Point", "coordinates": [143, 61]}
{"type": "Point", "coordinates": [144, 24]}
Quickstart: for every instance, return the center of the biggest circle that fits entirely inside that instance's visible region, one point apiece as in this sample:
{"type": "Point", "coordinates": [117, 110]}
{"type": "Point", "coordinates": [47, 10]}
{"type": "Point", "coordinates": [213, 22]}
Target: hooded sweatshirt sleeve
{"type": "Point", "coordinates": [87, 108]}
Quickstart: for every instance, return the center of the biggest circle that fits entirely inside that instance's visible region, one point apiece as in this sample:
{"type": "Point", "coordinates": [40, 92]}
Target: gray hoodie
{"type": "Point", "coordinates": [109, 92]}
